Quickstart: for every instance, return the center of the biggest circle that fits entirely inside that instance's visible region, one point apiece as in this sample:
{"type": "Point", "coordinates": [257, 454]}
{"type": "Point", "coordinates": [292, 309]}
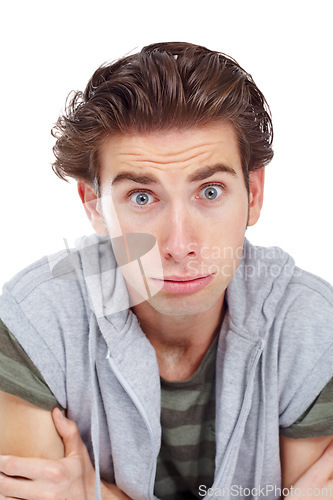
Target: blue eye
{"type": "Point", "coordinates": [141, 199]}
{"type": "Point", "coordinates": [211, 192]}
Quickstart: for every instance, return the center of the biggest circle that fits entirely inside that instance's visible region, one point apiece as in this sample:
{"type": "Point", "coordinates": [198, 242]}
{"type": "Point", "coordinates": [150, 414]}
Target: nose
{"type": "Point", "coordinates": [179, 235]}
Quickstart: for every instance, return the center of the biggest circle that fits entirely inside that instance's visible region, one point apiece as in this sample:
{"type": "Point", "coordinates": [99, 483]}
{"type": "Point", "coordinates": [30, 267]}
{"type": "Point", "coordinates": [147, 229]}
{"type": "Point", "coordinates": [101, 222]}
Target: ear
{"type": "Point", "coordinates": [257, 179]}
{"type": "Point", "coordinates": [90, 203]}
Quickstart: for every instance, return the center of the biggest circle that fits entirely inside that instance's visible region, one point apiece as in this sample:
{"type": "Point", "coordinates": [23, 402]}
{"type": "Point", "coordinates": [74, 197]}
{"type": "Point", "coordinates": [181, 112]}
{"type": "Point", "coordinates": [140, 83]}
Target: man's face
{"type": "Point", "coordinates": [186, 188]}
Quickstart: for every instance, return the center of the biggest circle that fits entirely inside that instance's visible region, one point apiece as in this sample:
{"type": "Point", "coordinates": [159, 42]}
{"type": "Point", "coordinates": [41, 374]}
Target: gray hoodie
{"type": "Point", "coordinates": [70, 312]}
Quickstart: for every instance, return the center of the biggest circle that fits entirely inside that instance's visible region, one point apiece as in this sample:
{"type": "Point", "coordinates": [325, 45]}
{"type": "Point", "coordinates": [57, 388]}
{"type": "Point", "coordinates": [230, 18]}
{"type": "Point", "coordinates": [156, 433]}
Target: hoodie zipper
{"type": "Point", "coordinates": [143, 414]}
{"type": "Point", "coordinates": [244, 409]}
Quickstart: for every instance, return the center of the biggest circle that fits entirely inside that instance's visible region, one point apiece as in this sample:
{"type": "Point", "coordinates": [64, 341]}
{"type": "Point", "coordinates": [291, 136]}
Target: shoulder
{"type": "Point", "coordinates": [39, 299]}
{"type": "Point", "coordinates": [269, 289]}
{"type": "Point", "coordinates": [292, 310]}
{"type": "Point", "coordinates": [59, 275]}
{"type": "Point", "coordinates": [305, 347]}
{"type": "Point", "coordinates": [53, 290]}
{"type": "Point", "coordinates": [272, 273]}
{"type": "Point", "coordinates": [46, 308]}
{"type": "Point", "coordinates": [38, 276]}
{"type": "Point", "coordinates": [305, 324]}
{"type": "Point", "coordinates": [307, 310]}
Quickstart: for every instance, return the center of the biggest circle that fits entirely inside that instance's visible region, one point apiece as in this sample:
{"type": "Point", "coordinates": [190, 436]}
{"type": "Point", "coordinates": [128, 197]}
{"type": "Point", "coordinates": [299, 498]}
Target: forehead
{"type": "Point", "coordinates": [178, 150]}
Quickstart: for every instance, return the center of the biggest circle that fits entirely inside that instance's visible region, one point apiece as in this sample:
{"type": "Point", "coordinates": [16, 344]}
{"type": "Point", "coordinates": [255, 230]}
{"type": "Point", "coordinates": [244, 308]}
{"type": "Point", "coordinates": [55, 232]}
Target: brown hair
{"type": "Point", "coordinates": [165, 86]}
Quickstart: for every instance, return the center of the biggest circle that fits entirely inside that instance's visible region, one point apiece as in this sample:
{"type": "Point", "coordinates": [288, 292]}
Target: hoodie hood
{"type": "Point", "coordinates": [257, 288]}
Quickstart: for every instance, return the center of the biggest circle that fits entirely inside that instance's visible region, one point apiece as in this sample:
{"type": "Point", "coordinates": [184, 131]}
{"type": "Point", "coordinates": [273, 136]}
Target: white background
{"type": "Point", "coordinates": [49, 48]}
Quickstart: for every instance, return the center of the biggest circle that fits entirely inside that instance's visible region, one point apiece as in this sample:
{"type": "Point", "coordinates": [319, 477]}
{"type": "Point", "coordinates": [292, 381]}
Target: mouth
{"type": "Point", "coordinates": [184, 284]}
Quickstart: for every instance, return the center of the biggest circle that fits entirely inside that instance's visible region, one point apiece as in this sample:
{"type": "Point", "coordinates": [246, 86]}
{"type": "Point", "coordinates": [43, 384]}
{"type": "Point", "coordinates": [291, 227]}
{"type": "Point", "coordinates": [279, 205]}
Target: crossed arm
{"type": "Point", "coordinates": [58, 465]}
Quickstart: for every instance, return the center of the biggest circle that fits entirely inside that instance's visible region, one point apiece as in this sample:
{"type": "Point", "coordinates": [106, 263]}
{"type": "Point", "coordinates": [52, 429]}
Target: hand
{"type": "Point", "coordinates": [70, 478]}
{"type": "Point", "coordinates": [317, 481]}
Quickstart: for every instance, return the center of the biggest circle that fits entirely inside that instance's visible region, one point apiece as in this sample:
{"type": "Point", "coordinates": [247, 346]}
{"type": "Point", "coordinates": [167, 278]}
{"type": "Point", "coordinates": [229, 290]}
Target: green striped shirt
{"type": "Point", "coordinates": [187, 455]}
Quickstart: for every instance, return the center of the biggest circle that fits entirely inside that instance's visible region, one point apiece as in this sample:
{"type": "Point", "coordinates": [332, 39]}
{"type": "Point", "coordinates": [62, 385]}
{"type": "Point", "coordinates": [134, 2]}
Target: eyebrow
{"type": "Point", "coordinates": [199, 175]}
{"type": "Point", "coordinates": [140, 179]}
{"type": "Point", "coordinates": [206, 172]}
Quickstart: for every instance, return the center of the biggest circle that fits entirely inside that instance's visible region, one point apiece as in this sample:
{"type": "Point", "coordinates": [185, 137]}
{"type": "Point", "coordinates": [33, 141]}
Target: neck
{"type": "Point", "coordinates": [180, 342]}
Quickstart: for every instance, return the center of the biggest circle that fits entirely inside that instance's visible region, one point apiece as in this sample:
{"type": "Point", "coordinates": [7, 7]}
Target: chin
{"type": "Point", "coordinates": [184, 305]}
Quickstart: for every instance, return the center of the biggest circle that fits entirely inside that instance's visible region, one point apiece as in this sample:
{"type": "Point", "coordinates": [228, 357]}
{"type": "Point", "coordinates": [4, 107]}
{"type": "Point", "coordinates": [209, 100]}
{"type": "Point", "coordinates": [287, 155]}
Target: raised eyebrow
{"type": "Point", "coordinates": [140, 179]}
{"type": "Point", "coordinates": [206, 172]}
{"type": "Point", "coordinates": [199, 175]}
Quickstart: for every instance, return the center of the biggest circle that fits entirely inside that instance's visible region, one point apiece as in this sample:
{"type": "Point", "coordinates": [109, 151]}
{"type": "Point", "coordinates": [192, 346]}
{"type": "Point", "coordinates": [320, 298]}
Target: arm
{"type": "Point", "coordinates": [58, 459]}
{"type": "Point", "coordinates": [26, 430]}
{"type": "Point", "coordinates": [299, 458]}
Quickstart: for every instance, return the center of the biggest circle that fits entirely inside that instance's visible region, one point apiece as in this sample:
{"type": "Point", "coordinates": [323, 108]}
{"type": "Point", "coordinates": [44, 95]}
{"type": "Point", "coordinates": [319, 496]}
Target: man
{"type": "Point", "coordinates": [188, 359]}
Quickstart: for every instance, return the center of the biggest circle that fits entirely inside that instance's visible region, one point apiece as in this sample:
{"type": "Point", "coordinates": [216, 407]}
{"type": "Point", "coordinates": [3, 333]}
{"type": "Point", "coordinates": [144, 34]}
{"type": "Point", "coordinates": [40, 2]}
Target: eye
{"type": "Point", "coordinates": [141, 198]}
{"type": "Point", "coordinates": [211, 192]}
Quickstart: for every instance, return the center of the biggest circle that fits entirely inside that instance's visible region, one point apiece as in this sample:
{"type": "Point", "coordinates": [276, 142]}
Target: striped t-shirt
{"type": "Point", "coordinates": [187, 456]}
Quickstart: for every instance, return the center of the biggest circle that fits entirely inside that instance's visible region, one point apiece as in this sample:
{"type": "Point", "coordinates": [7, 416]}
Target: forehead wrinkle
{"type": "Point", "coordinates": [159, 165]}
{"type": "Point", "coordinates": [149, 155]}
{"type": "Point", "coordinates": [170, 153]}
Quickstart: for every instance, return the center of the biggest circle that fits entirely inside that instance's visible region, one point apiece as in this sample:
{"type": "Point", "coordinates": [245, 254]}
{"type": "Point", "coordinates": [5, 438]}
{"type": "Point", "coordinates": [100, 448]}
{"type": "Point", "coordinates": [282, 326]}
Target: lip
{"type": "Point", "coordinates": [184, 284]}
{"type": "Point", "coordinates": [185, 278]}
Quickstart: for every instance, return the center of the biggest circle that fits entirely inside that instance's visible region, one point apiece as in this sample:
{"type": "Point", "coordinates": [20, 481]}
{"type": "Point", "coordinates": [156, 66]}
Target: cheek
{"type": "Point", "coordinates": [229, 228]}
{"type": "Point", "coordinates": [223, 248]}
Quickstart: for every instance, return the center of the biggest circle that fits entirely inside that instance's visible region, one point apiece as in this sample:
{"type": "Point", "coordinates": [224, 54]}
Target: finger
{"type": "Point", "coordinates": [29, 468]}
{"type": "Point", "coordinates": [18, 488]}
{"type": "Point", "coordinates": [69, 433]}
